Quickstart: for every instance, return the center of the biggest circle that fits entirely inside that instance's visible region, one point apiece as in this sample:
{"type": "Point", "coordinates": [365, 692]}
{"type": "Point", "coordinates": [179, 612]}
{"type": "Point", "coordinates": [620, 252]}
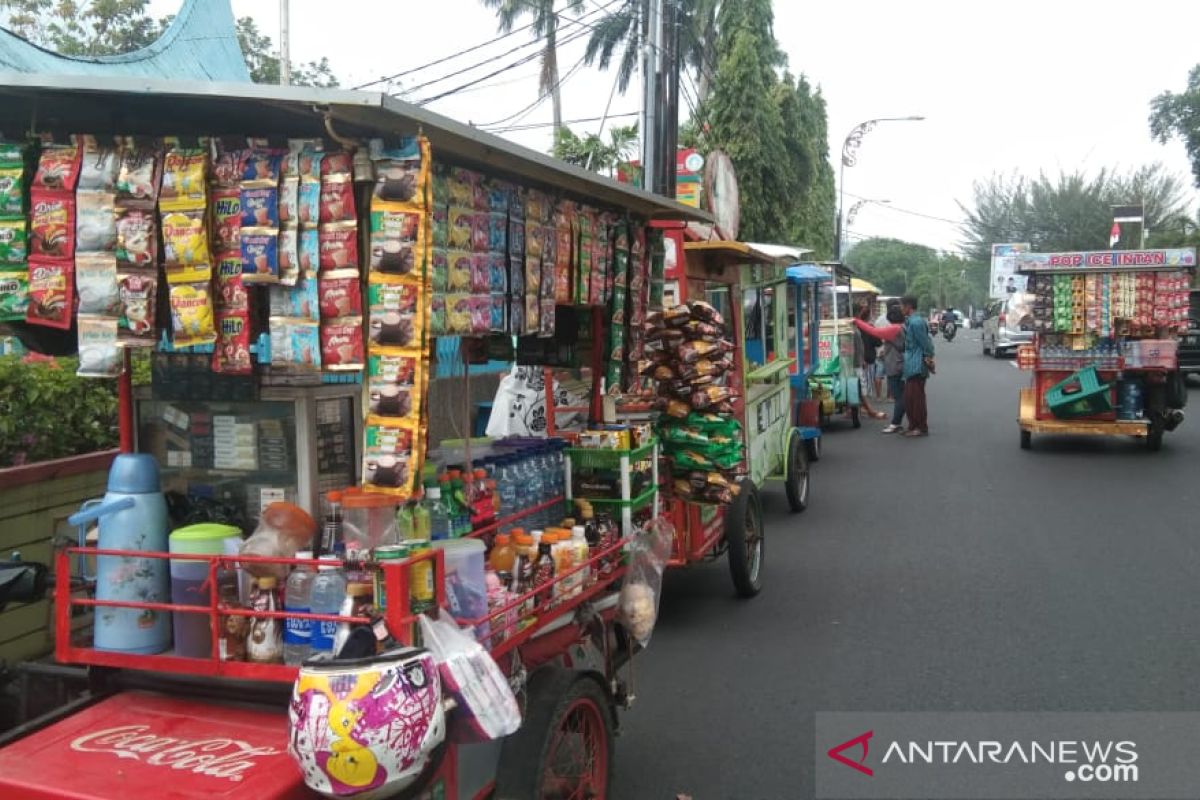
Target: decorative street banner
{"type": "Point", "coordinates": [1004, 280]}
{"type": "Point", "coordinates": [1179, 258]}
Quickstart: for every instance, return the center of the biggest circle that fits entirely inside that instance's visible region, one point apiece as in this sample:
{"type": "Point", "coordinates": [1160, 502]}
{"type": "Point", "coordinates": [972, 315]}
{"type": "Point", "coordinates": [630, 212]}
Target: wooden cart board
{"type": "Point", "coordinates": [1030, 423]}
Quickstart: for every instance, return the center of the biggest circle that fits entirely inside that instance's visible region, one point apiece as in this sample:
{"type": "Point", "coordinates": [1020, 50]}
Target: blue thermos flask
{"type": "Point", "coordinates": [132, 516]}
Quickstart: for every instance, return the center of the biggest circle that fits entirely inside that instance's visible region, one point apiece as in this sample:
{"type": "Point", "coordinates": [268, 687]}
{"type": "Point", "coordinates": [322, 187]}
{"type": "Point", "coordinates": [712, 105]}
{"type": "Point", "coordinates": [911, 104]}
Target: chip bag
{"type": "Point", "coordinates": [51, 294]}
{"type": "Point", "coordinates": [191, 314]}
{"type": "Point", "coordinates": [99, 356]}
{"type": "Point", "coordinates": [14, 294]}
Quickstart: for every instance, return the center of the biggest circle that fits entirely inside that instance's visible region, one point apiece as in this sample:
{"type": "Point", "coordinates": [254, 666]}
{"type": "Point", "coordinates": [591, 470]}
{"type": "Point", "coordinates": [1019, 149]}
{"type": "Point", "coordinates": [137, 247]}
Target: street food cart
{"type": "Point", "coordinates": [1104, 353]}
{"type": "Point", "coordinates": [211, 723]}
{"type": "Point", "coordinates": [834, 383]}
{"type": "Point", "coordinates": [804, 331]}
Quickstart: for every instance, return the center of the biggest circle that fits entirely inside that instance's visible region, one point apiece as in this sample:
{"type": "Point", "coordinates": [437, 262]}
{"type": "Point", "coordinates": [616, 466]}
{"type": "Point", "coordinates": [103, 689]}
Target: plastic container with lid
{"type": "Point", "coordinates": [193, 632]}
{"type": "Point", "coordinates": [466, 583]}
{"type": "Point", "coordinates": [368, 521]}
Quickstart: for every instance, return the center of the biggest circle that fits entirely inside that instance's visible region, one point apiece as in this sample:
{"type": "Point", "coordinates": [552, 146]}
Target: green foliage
{"type": "Point", "coordinates": [1070, 211]}
{"type": "Point", "coordinates": [592, 152]}
{"type": "Point", "coordinates": [262, 59]}
{"type": "Point", "coordinates": [47, 412]}
{"type": "Point", "coordinates": [1179, 115]}
{"type": "Point", "coordinates": [937, 279]}
{"type": "Point", "coordinates": [544, 18]}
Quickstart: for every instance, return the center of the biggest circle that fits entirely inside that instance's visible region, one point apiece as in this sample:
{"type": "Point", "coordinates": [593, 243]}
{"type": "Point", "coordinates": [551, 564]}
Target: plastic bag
{"type": "Point", "coordinates": [282, 530]}
{"type": "Point", "coordinates": [637, 607]}
{"type": "Point", "coordinates": [471, 676]}
{"type": "Point", "coordinates": [519, 408]}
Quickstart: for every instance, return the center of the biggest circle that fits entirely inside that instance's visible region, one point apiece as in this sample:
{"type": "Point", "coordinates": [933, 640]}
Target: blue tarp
{"type": "Point", "coordinates": [807, 273]}
{"type": "Point", "coordinates": [199, 44]}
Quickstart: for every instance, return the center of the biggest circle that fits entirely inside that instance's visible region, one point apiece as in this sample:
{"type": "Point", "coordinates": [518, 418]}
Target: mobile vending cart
{"type": "Point", "coordinates": [834, 382]}
{"type": "Point", "coordinates": [804, 328]}
{"type": "Point", "coordinates": [1106, 330]}
{"type": "Point", "coordinates": [207, 725]}
{"type": "Point", "coordinates": [749, 289]}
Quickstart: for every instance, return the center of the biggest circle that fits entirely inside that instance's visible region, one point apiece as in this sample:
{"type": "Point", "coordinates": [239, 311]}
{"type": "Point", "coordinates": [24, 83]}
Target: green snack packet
{"type": "Point", "coordinates": [14, 241]}
{"type": "Point", "coordinates": [12, 190]}
{"type": "Point", "coordinates": [14, 295]}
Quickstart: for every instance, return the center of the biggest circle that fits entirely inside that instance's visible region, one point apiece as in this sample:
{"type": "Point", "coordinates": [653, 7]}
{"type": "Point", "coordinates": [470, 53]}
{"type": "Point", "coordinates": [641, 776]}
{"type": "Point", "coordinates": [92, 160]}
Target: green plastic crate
{"type": "Point", "coordinates": [636, 504]}
{"type": "Point", "coordinates": [1090, 396]}
{"type": "Point", "coordinates": [594, 458]}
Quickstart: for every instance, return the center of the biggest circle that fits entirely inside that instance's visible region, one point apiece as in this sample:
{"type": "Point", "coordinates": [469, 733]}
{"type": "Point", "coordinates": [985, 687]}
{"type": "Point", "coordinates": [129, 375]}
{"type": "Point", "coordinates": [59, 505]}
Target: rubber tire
{"type": "Point", "coordinates": [1155, 439]}
{"type": "Point", "coordinates": [813, 448]}
{"type": "Point", "coordinates": [549, 693]}
{"type": "Point", "coordinates": [983, 342]}
{"type": "Point", "coordinates": [854, 420]}
{"type": "Point", "coordinates": [1026, 440]}
{"type": "Point", "coordinates": [1177, 391]}
{"type": "Point", "coordinates": [997, 353]}
{"type": "Point", "coordinates": [797, 457]}
{"type": "Point", "coordinates": [744, 505]}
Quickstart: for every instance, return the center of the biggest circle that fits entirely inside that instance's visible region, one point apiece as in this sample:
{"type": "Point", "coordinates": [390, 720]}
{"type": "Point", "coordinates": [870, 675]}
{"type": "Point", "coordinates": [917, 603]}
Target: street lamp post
{"type": "Point", "coordinates": [849, 159]}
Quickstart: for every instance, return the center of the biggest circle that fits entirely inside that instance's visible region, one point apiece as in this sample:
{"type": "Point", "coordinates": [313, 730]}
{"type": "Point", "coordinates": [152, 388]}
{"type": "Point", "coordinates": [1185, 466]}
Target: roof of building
{"type": "Point", "coordinates": [200, 44]}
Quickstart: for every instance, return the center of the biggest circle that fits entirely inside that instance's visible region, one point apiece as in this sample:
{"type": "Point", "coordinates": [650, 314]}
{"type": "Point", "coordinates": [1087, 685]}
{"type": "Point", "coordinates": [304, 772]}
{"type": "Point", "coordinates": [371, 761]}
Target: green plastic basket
{"type": "Point", "coordinates": [636, 504]}
{"type": "Point", "coordinates": [592, 458]}
{"type": "Point", "coordinates": [1079, 395]}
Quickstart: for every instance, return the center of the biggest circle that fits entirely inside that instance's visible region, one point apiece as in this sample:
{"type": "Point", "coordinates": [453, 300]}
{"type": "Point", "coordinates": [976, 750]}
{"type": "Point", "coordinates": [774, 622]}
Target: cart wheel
{"type": "Point", "coordinates": [854, 420]}
{"type": "Point", "coordinates": [983, 341]}
{"type": "Point", "coordinates": [822, 419]}
{"type": "Point", "coordinates": [1026, 440]}
{"type": "Point", "coordinates": [1154, 440]}
{"type": "Point", "coordinates": [564, 747]}
{"type": "Point", "coordinates": [813, 448]}
{"type": "Point", "coordinates": [744, 538]}
{"type": "Point", "coordinates": [796, 479]}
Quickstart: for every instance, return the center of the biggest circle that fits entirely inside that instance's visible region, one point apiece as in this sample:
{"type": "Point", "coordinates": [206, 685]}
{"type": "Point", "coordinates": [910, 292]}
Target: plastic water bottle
{"type": "Point", "coordinates": [439, 517]}
{"type": "Point", "coordinates": [507, 487]}
{"type": "Point", "coordinates": [297, 633]}
{"type": "Point", "coordinates": [328, 594]}
{"type": "Point", "coordinates": [536, 488]}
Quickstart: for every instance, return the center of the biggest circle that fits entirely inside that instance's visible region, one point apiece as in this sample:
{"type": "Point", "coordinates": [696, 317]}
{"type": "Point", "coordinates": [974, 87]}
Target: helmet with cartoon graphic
{"type": "Point", "coordinates": [366, 728]}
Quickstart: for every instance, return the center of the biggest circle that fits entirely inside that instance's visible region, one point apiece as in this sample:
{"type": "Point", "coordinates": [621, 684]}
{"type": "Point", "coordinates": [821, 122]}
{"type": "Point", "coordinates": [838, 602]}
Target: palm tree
{"type": "Point", "coordinates": [625, 28]}
{"type": "Point", "coordinates": [544, 26]}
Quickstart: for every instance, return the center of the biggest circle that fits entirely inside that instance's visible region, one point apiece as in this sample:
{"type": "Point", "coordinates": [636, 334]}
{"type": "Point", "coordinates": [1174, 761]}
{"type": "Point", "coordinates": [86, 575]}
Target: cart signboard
{"type": "Point", "coordinates": [1107, 260]}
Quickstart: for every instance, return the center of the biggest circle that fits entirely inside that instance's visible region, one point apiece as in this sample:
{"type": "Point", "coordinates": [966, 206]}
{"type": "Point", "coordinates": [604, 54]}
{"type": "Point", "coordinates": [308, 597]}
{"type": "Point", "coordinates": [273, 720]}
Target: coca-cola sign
{"type": "Point", "coordinates": [214, 757]}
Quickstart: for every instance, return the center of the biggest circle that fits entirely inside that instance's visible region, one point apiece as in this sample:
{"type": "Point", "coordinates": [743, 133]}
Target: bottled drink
{"type": "Point", "coordinates": [420, 513]}
{"type": "Point", "coordinates": [439, 519]}
{"type": "Point", "coordinates": [543, 572]}
{"type": "Point", "coordinates": [508, 491]}
{"type": "Point", "coordinates": [563, 552]}
{"type": "Point", "coordinates": [502, 556]}
{"type": "Point", "coordinates": [481, 498]}
{"type": "Point", "coordinates": [582, 553]}
{"type": "Point", "coordinates": [265, 641]}
{"type": "Point", "coordinates": [297, 633]}
{"type": "Point", "coordinates": [405, 524]}
{"type": "Point", "coordinates": [608, 537]}
{"type": "Point", "coordinates": [331, 531]}
{"type": "Point", "coordinates": [536, 490]}
{"type": "Point", "coordinates": [462, 507]}
{"type": "Point", "coordinates": [328, 594]}
{"type": "Point", "coordinates": [234, 630]}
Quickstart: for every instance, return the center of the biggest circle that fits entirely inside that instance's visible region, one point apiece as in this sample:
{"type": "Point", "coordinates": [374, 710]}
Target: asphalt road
{"type": "Point", "coordinates": [955, 572]}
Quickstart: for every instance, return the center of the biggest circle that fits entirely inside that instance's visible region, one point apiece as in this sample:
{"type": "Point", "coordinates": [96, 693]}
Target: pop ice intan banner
{"type": "Point", "coordinates": [1177, 258]}
{"type": "Point", "coordinates": [1004, 279]}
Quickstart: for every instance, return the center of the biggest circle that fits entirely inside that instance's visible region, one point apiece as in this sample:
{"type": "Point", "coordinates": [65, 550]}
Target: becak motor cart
{"type": "Point", "coordinates": [748, 288]}
{"type": "Point", "coordinates": [804, 330]}
{"type": "Point", "coordinates": [834, 382]}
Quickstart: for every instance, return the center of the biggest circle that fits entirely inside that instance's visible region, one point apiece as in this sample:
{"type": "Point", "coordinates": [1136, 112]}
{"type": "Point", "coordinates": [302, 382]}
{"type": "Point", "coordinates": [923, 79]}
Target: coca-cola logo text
{"type": "Point", "coordinates": [216, 757]}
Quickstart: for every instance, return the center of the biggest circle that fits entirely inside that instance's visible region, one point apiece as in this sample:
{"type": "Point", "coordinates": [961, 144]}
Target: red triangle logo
{"type": "Point", "coordinates": [863, 739]}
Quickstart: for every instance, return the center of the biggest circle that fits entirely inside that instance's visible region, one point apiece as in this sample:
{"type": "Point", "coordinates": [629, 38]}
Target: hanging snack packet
{"type": "Point", "coordinates": [260, 255]}
{"type": "Point", "coordinates": [397, 170]}
{"type": "Point", "coordinates": [395, 315]}
{"type": "Point", "coordinates": [99, 356]}
{"type": "Point", "coordinates": [458, 277]}
{"type": "Point", "coordinates": [137, 237]}
{"type": "Point", "coordinates": [289, 203]}
{"type": "Point", "coordinates": [260, 207]}
{"type": "Point", "coordinates": [338, 244]}
{"type": "Point", "coordinates": [308, 246]}
{"type": "Point", "coordinates": [51, 294]}
{"type": "Point", "coordinates": [497, 273]}
{"type": "Point", "coordinates": [340, 294]}
{"type": "Point", "coordinates": [337, 199]}
{"type": "Point", "coordinates": [12, 190]}
{"type": "Point", "coordinates": [138, 177]}
{"type": "Point", "coordinates": [308, 202]}
{"type": "Point", "coordinates": [139, 300]}
{"type": "Point", "coordinates": [185, 239]}
{"type": "Point", "coordinates": [14, 294]}
{"type": "Point", "coordinates": [458, 314]}
{"type": "Point", "coordinates": [98, 166]}
{"type": "Point", "coordinates": [481, 232]}
{"type": "Point", "coordinates": [481, 276]}
{"type": "Point", "coordinates": [481, 314]}
{"type": "Point", "coordinates": [386, 457]}
{"type": "Point", "coordinates": [58, 168]}
{"type": "Point", "coordinates": [437, 315]}
{"type": "Point", "coordinates": [261, 167]}
{"type": "Point", "coordinates": [300, 301]}
{"type": "Point", "coordinates": [309, 166]}
{"type": "Point", "coordinates": [342, 344]}
{"type": "Point", "coordinates": [226, 219]}
{"type": "Point", "coordinates": [295, 344]}
{"type": "Point", "coordinates": [498, 313]}
{"type": "Point", "coordinates": [14, 241]}
{"type": "Point", "coordinates": [95, 222]}
{"type": "Point", "coordinates": [231, 294]}
{"type": "Point", "coordinates": [388, 369]}
{"type": "Point", "coordinates": [183, 182]}
{"type": "Point", "coordinates": [191, 315]}
{"type": "Point", "coordinates": [460, 225]}
{"type": "Point", "coordinates": [394, 239]}
{"type": "Point", "coordinates": [231, 356]}
{"type": "Point", "coordinates": [52, 225]}
{"type": "Point", "coordinates": [289, 257]}
{"type": "Point", "coordinates": [439, 270]}
{"type": "Point", "coordinates": [96, 284]}
{"type": "Point", "coordinates": [339, 163]}
{"type": "Point", "coordinates": [227, 165]}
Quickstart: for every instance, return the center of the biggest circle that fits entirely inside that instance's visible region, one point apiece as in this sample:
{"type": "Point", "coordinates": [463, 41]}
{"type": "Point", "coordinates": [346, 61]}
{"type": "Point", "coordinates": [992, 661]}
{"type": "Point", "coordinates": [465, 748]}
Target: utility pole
{"type": "Point", "coordinates": [672, 58]}
{"type": "Point", "coordinates": [651, 56]}
{"type": "Point", "coordinates": [285, 45]}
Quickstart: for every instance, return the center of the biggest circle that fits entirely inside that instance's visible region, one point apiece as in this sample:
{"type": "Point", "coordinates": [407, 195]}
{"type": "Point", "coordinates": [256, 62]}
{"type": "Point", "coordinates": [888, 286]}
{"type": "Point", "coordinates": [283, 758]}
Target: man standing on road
{"type": "Point", "coordinates": [918, 364]}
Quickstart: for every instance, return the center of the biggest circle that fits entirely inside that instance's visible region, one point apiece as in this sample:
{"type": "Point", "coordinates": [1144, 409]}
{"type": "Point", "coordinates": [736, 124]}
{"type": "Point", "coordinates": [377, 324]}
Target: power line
{"type": "Point", "coordinates": [535, 125]}
{"type": "Point", "coordinates": [909, 211]}
{"type": "Point", "coordinates": [527, 110]}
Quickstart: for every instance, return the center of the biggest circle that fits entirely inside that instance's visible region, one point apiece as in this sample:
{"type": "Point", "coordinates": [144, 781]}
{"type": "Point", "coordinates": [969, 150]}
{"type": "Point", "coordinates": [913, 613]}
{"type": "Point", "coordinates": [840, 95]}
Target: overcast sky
{"type": "Point", "coordinates": [1019, 85]}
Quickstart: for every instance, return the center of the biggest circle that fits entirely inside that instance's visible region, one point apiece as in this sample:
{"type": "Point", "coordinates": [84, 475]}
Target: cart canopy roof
{"type": "Point", "coordinates": [808, 273]}
{"type": "Point", "coordinates": [66, 104]}
{"type": "Point", "coordinates": [200, 44]}
{"type": "Point", "coordinates": [723, 253]}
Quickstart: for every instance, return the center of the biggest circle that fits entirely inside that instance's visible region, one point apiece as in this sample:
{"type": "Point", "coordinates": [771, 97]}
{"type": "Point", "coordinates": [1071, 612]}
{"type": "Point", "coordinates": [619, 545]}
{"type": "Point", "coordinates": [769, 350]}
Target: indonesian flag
{"type": "Point", "coordinates": [1114, 235]}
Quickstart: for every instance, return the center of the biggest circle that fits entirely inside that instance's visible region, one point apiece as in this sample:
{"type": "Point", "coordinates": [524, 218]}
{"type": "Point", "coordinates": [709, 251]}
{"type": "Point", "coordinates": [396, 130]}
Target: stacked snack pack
{"type": "Point", "coordinates": [689, 356]}
{"type": "Point", "coordinates": [14, 234]}
{"type": "Point", "coordinates": [398, 297]}
{"type": "Point", "coordinates": [96, 282]}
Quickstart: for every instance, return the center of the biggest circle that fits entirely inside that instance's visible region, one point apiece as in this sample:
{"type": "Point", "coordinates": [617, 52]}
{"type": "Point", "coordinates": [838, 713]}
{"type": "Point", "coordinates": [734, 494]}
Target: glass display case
{"type": "Point", "coordinates": [291, 444]}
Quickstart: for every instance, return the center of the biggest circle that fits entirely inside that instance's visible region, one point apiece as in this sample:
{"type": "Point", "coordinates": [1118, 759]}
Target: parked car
{"type": "Point", "coordinates": [1007, 324]}
{"type": "Point", "coordinates": [1189, 344]}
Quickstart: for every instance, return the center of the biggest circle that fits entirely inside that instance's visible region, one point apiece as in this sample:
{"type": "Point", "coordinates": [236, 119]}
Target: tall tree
{"type": "Point", "coordinates": [263, 61]}
{"type": "Point", "coordinates": [592, 152]}
{"type": "Point", "coordinates": [936, 279]}
{"type": "Point", "coordinates": [1069, 211]}
{"type": "Point", "coordinates": [1179, 115]}
{"type": "Point", "coordinates": [82, 27]}
{"type": "Point", "coordinates": [544, 19]}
